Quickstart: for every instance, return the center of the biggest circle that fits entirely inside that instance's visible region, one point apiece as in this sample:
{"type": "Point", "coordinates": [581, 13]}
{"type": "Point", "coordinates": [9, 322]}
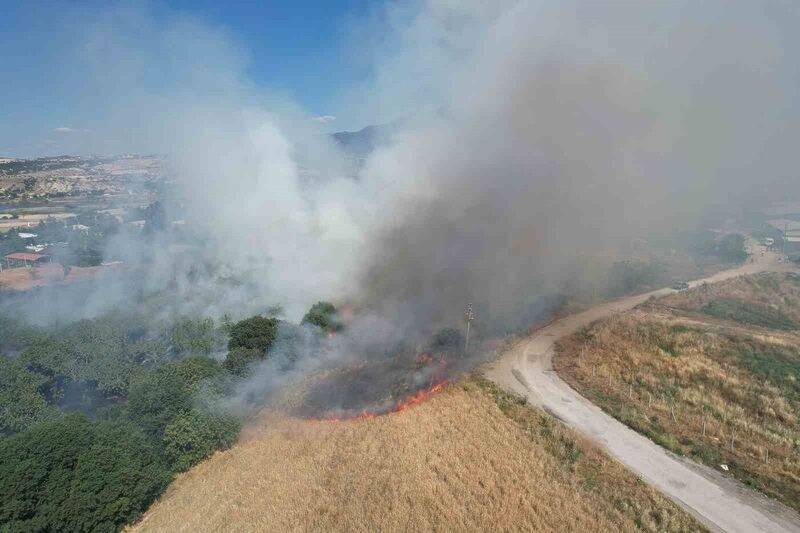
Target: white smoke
{"type": "Point", "coordinates": [530, 130]}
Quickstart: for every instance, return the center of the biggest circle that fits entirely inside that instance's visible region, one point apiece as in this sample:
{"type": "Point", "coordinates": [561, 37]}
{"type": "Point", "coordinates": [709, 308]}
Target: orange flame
{"type": "Point", "coordinates": [424, 358]}
{"type": "Point", "coordinates": [403, 405]}
{"type": "Point", "coordinates": [418, 398]}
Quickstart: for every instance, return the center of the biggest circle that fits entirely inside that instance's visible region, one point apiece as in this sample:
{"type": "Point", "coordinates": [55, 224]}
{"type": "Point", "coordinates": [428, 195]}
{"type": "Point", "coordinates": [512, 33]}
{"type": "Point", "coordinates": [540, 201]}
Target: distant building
{"type": "Point", "coordinates": [792, 241]}
{"type": "Point", "coordinates": [24, 259]}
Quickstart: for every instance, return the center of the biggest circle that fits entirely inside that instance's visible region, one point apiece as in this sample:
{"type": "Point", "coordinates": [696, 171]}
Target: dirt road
{"type": "Point", "coordinates": [721, 503]}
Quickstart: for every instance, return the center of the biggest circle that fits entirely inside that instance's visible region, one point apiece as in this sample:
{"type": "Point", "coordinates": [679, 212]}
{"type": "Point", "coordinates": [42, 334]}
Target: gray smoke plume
{"type": "Point", "coordinates": [569, 127]}
{"type": "Point", "coordinates": [528, 133]}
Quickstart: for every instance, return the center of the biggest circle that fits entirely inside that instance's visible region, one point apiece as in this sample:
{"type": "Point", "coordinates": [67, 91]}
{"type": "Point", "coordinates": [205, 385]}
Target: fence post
{"type": "Point", "coordinates": [733, 435]}
{"type": "Point", "coordinates": [649, 399]}
{"type": "Point", "coordinates": [630, 391]}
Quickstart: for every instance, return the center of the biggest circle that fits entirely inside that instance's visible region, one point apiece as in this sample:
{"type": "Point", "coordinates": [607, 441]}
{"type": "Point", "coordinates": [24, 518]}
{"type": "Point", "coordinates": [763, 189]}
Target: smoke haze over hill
{"type": "Point", "coordinates": [530, 131]}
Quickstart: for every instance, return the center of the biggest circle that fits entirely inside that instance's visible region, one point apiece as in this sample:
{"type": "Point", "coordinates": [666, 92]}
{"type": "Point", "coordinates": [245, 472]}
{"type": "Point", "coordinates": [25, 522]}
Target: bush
{"type": "Point", "coordinates": [255, 333]}
{"type": "Point", "coordinates": [323, 315]}
{"type": "Point", "coordinates": [731, 248]}
{"type": "Point", "coordinates": [447, 340]}
{"type": "Point", "coordinates": [193, 435]}
{"type": "Point", "coordinates": [631, 275]}
{"type": "Point", "coordinates": [748, 313]}
{"type": "Point", "coordinates": [77, 475]}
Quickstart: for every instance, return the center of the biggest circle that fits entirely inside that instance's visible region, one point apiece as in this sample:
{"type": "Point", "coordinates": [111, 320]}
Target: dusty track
{"type": "Point", "coordinates": [720, 503]}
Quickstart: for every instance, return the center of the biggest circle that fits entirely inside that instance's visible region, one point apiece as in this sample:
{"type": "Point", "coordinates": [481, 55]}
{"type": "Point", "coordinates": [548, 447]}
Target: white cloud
{"type": "Point", "coordinates": [66, 129]}
{"type": "Point", "coordinates": [325, 118]}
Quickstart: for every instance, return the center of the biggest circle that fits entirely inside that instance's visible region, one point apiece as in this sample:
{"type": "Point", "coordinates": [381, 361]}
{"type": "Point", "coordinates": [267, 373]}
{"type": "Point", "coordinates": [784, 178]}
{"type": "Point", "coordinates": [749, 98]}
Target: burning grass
{"type": "Point", "coordinates": [371, 389]}
{"type": "Point", "coordinates": [722, 390]}
{"type": "Point", "coordinates": [470, 458]}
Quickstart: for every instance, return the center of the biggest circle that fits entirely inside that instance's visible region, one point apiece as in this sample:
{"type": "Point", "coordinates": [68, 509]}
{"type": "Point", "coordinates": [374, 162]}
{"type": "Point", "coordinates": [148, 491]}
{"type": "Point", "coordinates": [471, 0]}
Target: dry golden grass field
{"type": "Point", "coordinates": [712, 373]}
{"type": "Point", "coordinates": [471, 458]}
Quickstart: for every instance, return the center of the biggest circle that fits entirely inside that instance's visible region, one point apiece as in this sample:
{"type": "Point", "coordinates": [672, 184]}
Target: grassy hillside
{"type": "Point", "coordinates": [471, 458]}
{"type": "Point", "coordinates": [712, 373]}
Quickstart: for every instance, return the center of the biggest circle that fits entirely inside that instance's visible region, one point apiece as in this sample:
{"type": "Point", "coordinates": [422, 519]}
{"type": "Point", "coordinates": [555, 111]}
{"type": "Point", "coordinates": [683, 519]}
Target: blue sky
{"type": "Point", "coordinates": [302, 49]}
{"type": "Point", "coordinates": [296, 46]}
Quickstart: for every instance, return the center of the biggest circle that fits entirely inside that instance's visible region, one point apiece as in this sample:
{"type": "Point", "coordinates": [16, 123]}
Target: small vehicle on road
{"type": "Point", "coordinates": [680, 285]}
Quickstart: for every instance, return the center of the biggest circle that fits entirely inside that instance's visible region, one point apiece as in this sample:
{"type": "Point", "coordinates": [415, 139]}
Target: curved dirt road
{"type": "Point", "coordinates": [720, 503]}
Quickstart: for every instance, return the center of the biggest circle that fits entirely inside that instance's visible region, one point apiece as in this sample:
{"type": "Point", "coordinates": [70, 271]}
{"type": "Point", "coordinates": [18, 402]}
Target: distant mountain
{"type": "Point", "coordinates": [363, 142]}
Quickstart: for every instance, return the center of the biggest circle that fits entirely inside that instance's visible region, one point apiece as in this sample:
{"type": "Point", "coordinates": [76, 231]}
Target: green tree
{"type": "Point", "coordinates": [255, 333]}
{"type": "Point", "coordinates": [157, 397]}
{"type": "Point", "coordinates": [77, 475]}
{"type": "Point", "coordinates": [193, 336]}
{"type": "Point", "coordinates": [193, 435]}
{"type": "Point", "coordinates": [731, 248]}
{"type": "Point", "coordinates": [239, 359]}
{"type": "Point", "coordinates": [323, 315]}
{"type": "Point", "coordinates": [23, 397]}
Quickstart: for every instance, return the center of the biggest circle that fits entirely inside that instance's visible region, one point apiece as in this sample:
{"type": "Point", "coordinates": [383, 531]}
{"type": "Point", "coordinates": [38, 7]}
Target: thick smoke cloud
{"type": "Point", "coordinates": [572, 126]}
{"type": "Point", "coordinates": [529, 131]}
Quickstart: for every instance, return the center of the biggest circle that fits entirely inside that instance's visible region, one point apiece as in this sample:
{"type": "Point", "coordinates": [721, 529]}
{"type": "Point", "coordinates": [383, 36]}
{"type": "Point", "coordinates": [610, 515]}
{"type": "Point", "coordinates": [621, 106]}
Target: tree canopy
{"type": "Point", "coordinates": [73, 474]}
{"type": "Point", "coordinates": [157, 397]}
{"type": "Point", "coordinates": [254, 333]}
{"type": "Point", "coordinates": [324, 316]}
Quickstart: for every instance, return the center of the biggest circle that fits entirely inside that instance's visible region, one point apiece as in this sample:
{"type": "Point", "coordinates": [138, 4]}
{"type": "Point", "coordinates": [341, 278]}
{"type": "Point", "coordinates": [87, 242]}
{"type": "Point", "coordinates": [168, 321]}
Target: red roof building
{"type": "Point", "coordinates": [26, 258]}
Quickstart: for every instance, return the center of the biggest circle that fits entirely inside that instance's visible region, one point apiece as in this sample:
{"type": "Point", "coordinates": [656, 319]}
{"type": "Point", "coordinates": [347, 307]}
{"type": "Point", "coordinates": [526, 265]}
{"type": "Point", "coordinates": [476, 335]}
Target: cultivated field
{"type": "Point", "coordinates": [712, 373]}
{"type": "Point", "coordinates": [472, 458]}
{"type": "Point", "coordinates": [25, 278]}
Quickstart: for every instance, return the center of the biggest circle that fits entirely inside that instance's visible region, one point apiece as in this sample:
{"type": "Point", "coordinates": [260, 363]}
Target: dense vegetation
{"type": "Point", "coordinates": [97, 415]}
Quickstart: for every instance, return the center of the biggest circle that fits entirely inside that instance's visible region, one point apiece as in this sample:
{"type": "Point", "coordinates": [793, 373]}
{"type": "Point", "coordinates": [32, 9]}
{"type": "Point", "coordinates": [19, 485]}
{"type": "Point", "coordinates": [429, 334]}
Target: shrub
{"type": "Point", "coordinates": [748, 313]}
{"type": "Point", "coordinates": [447, 340]}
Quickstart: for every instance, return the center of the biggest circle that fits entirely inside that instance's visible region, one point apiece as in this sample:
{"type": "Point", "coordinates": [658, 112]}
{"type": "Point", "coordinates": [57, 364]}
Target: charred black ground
{"type": "Point", "coordinates": [374, 388]}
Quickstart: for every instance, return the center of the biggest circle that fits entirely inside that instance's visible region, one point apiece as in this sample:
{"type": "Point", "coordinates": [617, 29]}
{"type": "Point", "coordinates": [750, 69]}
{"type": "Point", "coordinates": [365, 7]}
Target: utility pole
{"type": "Point", "coordinates": [469, 317]}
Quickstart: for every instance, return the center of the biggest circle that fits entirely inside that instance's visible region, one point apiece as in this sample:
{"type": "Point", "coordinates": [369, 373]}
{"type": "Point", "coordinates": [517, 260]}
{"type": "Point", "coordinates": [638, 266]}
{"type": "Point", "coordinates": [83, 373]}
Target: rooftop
{"type": "Point", "coordinates": [25, 256]}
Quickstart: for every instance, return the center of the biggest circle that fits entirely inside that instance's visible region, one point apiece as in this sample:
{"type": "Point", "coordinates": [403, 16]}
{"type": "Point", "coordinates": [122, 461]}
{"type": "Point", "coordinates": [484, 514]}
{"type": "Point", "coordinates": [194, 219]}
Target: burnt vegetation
{"type": "Point", "coordinates": [97, 415]}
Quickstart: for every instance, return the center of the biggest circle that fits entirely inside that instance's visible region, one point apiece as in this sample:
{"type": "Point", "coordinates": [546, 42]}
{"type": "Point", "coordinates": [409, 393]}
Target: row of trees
{"type": "Point", "coordinates": [98, 415]}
